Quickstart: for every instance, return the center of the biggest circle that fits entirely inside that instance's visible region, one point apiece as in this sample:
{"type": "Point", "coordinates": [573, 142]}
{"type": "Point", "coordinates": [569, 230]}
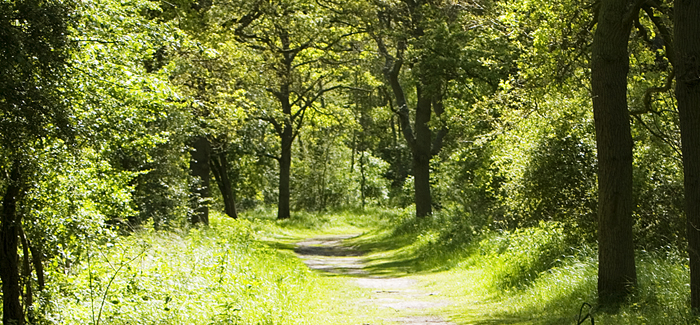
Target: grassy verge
{"type": "Point", "coordinates": [220, 275]}
{"type": "Point", "coordinates": [527, 276]}
{"type": "Point", "coordinates": [244, 272]}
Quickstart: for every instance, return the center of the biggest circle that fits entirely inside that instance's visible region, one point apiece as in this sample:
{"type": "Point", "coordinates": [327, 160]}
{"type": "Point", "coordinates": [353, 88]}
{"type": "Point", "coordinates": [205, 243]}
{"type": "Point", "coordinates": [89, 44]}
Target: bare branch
{"type": "Point", "coordinates": [659, 136]}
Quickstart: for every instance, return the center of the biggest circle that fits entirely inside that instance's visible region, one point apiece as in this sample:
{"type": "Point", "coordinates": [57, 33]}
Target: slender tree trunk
{"type": "Point", "coordinates": [363, 179]}
{"type": "Point", "coordinates": [9, 260]}
{"type": "Point", "coordinates": [285, 161]}
{"type": "Point", "coordinates": [199, 168]}
{"type": "Point", "coordinates": [610, 64]}
{"type": "Point", "coordinates": [686, 30]}
{"type": "Point", "coordinates": [421, 155]}
{"type": "Point", "coordinates": [26, 272]}
{"type": "Point", "coordinates": [219, 167]}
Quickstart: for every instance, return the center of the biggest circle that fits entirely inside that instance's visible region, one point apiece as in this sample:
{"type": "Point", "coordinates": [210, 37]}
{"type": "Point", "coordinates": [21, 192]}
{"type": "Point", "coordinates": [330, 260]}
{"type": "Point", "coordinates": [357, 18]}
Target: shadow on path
{"type": "Point", "coordinates": [404, 301]}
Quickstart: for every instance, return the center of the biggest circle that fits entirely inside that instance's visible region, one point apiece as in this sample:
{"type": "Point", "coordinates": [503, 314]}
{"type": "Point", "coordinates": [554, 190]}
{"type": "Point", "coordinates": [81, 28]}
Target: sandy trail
{"type": "Point", "coordinates": [400, 296]}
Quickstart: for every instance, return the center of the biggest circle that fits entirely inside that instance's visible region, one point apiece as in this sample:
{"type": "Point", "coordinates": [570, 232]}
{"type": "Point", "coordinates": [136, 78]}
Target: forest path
{"type": "Point", "coordinates": [402, 299]}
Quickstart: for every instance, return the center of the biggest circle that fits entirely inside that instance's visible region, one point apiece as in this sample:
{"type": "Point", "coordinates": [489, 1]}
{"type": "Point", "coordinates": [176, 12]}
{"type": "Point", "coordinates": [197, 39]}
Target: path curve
{"type": "Point", "coordinates": [402, 295]}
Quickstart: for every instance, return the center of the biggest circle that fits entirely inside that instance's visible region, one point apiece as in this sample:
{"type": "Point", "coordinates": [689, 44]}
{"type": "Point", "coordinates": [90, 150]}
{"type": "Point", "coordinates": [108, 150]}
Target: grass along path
{"type": "Point", "coordinates": [403, 270]}
{"type": "Point", "coordinates": [400, 300]}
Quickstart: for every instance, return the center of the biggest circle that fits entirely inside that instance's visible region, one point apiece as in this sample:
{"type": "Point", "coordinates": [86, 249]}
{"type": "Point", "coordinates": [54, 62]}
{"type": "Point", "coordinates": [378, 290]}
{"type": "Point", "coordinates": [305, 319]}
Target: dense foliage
{"type": "Point", "coordinates": [114, 115]}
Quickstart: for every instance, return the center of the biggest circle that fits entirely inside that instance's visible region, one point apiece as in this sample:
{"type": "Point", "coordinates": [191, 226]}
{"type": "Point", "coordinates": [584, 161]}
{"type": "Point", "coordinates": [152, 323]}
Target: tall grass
{"type": "Point", "coordinates": [201, 276]}
{"type": "Point", "coordinates": [536, 275]}
{"type": "Point", "coordinates": [231, 274]}
{"type": "Point", "coordinates": [216, 275]}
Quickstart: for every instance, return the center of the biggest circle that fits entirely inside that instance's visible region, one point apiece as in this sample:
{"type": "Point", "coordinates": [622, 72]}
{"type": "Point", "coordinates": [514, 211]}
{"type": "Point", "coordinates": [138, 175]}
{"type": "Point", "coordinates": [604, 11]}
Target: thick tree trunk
{"type": "Point", "coordinates": [610, 64]}
{"type": "Point", "coordinates": [421, 155]}
{"type": "Point", "coordinates": [285, 162]}
{"type": "Point", "coordinates": [199, 168]}
{"type": "Point", "coordinates": [9, 260]}
{"type": "Point", "coordinates": [219, 164]}
{"type": "Point", "coordinates": [686, 30]}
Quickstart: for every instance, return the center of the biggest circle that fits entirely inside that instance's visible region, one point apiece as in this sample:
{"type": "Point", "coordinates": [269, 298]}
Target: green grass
{"type": "Point", "coordinates": [220, 275]}
{"type": "Point", "coordinates": [245, 272]}
{"type": "Point", "coordinates": [527, 276]}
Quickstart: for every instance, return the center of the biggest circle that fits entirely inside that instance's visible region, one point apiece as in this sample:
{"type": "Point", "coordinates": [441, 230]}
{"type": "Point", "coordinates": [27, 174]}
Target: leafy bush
{"type": "Point", "coordinates": [559, 183]}
{"type": "Point", "coordinates": [658, 194]}
{"type": "Point", "coordinates": [548, 169]}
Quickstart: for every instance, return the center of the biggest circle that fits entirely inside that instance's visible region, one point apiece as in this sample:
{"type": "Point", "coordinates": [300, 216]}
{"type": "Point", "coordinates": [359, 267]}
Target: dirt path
{"type": "Point", "coordinates": [401, 297]}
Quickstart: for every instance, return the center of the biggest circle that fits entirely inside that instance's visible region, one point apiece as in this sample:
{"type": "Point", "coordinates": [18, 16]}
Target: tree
{"type": "Point", "coordinates": [419, 38]}
{"type": "Point", "coordinates": [687, 46]}
{"type": "Point", "coordinates": [32, 63]}
{"type": "Point", "coordinates": [201, 171]}
{"type": "Point", "coordinates": [220, 169]}
{"type": "Point", "coordinates": [295, 44]}
{"type": "Point", "coordinates": [419, 136]}
{"type": "Point", "coordinates": [609, 67]}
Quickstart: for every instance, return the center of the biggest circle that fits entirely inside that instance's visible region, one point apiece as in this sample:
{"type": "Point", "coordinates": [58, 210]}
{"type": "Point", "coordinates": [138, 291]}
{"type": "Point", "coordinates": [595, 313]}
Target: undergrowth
{"type": "Point", "coordinates": [535, 275]}
{"type": "Point", "coordinates": [244, 272]}
{"type": "Point", "coordinates": [217, 275]}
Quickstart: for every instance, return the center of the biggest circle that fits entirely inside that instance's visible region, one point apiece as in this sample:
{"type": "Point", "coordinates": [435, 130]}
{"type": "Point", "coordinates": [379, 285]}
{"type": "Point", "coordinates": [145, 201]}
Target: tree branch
{"type": "Point", "coordinates": [659, 136]}
{"type": "Point", "coordinates": [666, 34]}
{"type": "Point", "coordinates": [267, 155]}
{"type": "Point", "coordinates": [647, 99]}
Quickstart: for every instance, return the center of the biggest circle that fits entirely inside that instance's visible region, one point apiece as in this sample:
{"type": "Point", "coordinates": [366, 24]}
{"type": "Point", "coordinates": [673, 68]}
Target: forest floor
{"type": "Point", "coordinates": [399, 299]}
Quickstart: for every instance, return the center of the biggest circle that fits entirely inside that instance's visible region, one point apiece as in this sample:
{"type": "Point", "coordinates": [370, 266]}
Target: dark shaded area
{"type": "Point", "coordinates": [327, 251]}
{"type": "Point", "coordinates": [327, 246]}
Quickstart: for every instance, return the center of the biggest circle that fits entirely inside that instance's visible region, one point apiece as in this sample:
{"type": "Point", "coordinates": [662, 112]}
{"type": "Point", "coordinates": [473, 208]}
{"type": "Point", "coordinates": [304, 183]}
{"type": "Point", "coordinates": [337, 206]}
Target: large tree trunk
{"type": "Point", "coordinates": [199, 168]}
{"type": "Point", "coordinates": [219, 164]}
{"type": "Point", "coordinates": [686, 30]}
{"type": "Point", "coordinates": [610, 64]}
{"type": "Point", "coordinates": [421, 155]}
{"type": "Point", "coordinates": [9, 260]}
{"type": "Point", "coordinates": [285, 162]}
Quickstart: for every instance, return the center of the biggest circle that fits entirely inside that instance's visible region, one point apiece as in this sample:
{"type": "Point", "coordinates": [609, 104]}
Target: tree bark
{"type": "Point", "coordinates": [610, 64]}
{"type": "Point", "coordinates": [26, 272]}
{"type": "Point", "coordinates": [422, 155]}
{"type": "Point", "coordinates": [9, 260]}
{"type": "Point", "coordinates": [219, 164]}
{"type": "Point", "coordinates": [285, 162]}
{"type": "Point", "coordinates": [687, 45]}
{"type": "Point", "coordinates": [199, 168]}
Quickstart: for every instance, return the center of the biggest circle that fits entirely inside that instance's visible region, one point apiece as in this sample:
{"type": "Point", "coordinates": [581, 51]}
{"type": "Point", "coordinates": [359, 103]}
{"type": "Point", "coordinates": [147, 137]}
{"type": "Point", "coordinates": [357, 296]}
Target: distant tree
{"type": "Point", "coordinates": [200, 169]}
{"type": "Point", "coordinates": [687, 45]}
{"type": "Point", "coordinates": [291, 43]}
{"type": "Point", "coordinates": [410, 17]}
{"type": "Point", "coordinates": [220, 168]}
{"type": "Point", "coordinates": [609, 68]}
{"type": "Point", "coordinates": [426, 46]}
{"type": "Point", "coordinates": [32, 61]}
